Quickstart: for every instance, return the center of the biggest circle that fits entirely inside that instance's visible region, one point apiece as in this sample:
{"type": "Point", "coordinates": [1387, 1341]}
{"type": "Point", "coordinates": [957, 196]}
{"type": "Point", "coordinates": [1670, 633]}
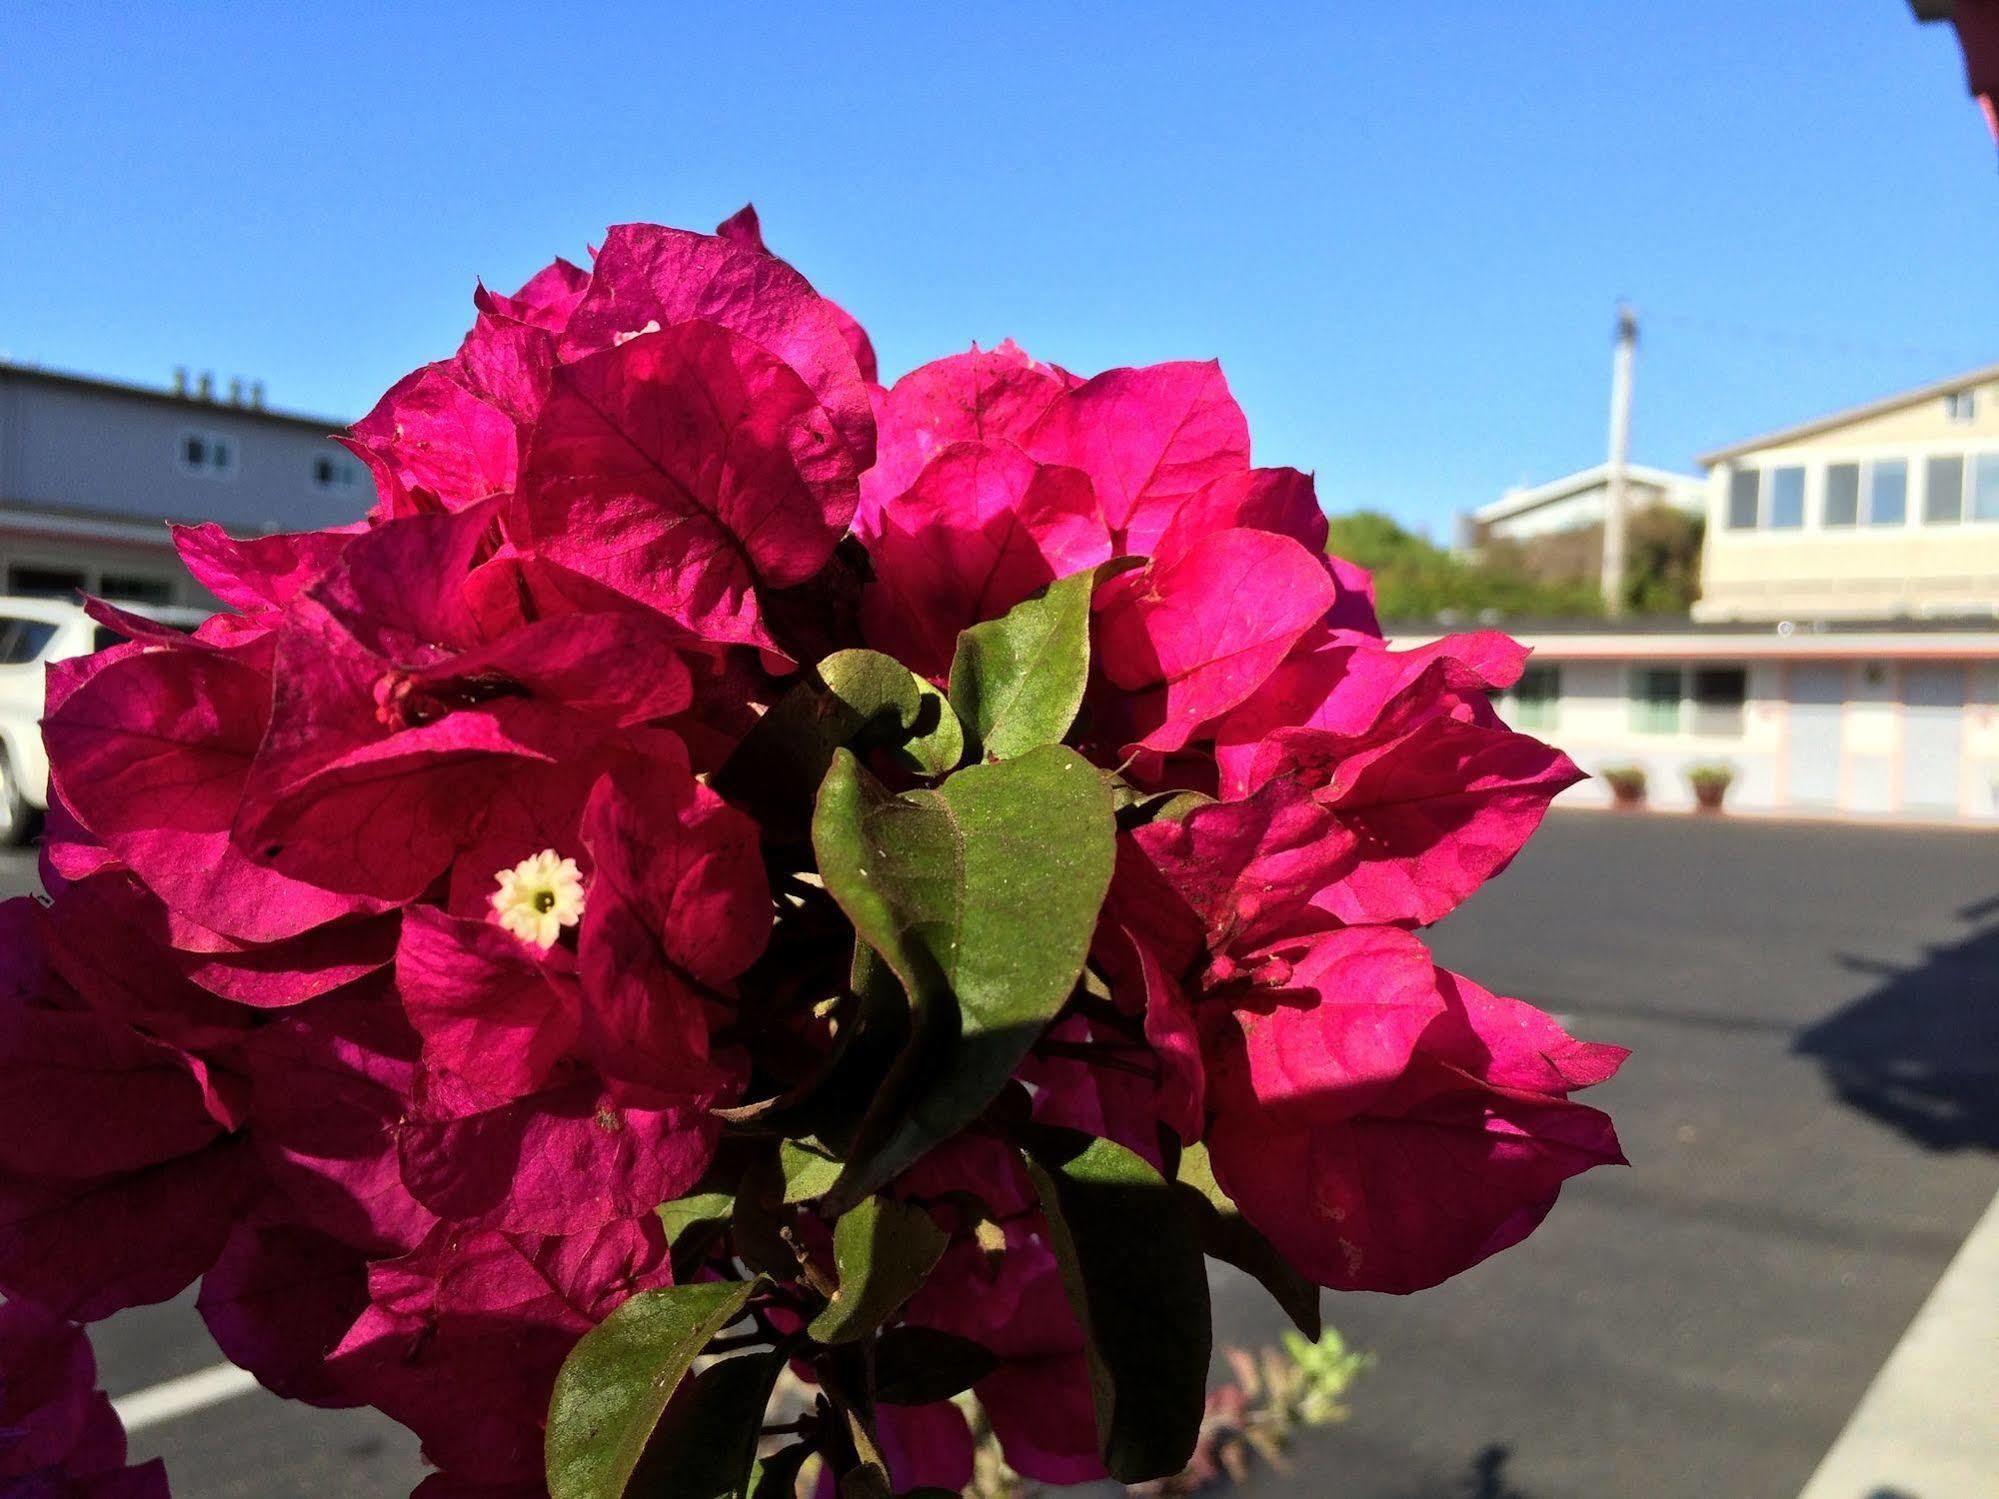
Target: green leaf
{"type": "Point", "coordinates": [980, 896]}
{"type": "Point", "coordinates": [696, 1208]}
{"type": "Point", "coordinates": [693, 1224]}
{"type": "Point", "coordinates": [1227, 1236]}
{"type": "Point", "coordinates": [883, 1250]}
{"type": "Point", "coordinates": [808, 1170]}
{"type": "Point", "coordinates": [616, 1382]}
{"type": "Point", "coordinates": [705, 1446]}
{"type": "Point", "coordinates": [776, 1476]}
{"type": "Point", "coordinates": [857, 698]}
{"type": "Point", "coordinates": [892, 705]}
{"type": "Point", "coordinates": [1135, 1277]}
{"type": "Point", "coordinates": [1135, 809]}
{"type": "Point", "coordinates": [1018, 680]}
{"type": "Point", "coordinates": [922, 1365]}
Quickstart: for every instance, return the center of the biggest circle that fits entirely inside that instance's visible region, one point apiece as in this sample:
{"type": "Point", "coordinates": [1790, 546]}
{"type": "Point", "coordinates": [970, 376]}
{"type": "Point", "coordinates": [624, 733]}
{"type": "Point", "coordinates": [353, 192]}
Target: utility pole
{"type": "Point", "coordinates": [1614, 507]}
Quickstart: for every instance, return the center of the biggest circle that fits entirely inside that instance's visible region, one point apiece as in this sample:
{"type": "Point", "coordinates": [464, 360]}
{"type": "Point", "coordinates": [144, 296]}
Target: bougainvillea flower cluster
{"type": "Point", "coordinates": [731, 866]}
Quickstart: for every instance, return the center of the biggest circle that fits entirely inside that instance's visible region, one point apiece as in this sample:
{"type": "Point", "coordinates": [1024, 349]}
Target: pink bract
{"type": "Point", "coordinates": [411, 934]}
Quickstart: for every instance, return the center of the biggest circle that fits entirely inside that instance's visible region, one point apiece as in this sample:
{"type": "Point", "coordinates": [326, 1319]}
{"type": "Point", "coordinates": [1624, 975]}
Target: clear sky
{"type": "Point", "coordinates": [1402, 227]}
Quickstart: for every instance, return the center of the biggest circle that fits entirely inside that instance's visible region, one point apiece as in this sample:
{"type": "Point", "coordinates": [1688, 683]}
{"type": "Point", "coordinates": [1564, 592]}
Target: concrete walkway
{"type": "Point", "coordinates": [1928, 1427]}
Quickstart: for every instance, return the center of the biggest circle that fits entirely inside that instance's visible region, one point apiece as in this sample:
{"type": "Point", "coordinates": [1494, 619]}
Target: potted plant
{"type": "Point", "coordinates": [1627, 785]}
{"type": "Point", "coordinates": [1710, 783]}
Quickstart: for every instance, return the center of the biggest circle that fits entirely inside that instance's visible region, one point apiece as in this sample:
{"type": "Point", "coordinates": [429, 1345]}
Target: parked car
{"type": "Point", "coordinates": [34, 632]}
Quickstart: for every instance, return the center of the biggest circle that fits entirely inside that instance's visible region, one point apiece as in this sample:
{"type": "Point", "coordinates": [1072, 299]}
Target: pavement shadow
{"type": "Point", "coordinates": [1485, 1477]}
{"type": "Point", "coordinates": [1920, 1051]}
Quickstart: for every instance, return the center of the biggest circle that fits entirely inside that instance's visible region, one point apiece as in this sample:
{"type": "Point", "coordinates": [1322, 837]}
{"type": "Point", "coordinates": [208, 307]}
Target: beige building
{"type": "Point", "coordinates": [1887, 511]}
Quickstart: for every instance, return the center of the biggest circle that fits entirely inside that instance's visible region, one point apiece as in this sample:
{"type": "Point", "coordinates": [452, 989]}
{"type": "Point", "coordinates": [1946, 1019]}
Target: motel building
{"type": "Point", "coordinates": [1843, 660]}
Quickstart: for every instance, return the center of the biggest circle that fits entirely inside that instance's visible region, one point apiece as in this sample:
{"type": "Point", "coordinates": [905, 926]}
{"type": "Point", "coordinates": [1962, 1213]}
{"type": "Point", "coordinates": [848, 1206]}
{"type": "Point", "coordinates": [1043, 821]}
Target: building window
{"type": "Point", "coordinates": [136, 588]}
{"type": "Point", "coordinates": [1655, 700]}
{"type": "Point", "coordinates": [21, 640]}
{"type": "Point", "coordinates": [1743, 488]}
{"type": "Point", "coordinates": [330, 471]}
{"type": "Point", "coordinates": [1719, 693]}
{"type": "Point", "coordinates": [1961, 406]}
{"type": "Point", "coordinates": [1787, 499]}
{"type": "Point", "coordinates": [208, 455]}
{"type": "Point", "coordinates": [1842, 495]}
{"type": "Point", "coordinates": [30, 581]}
{"type": "Point", "coordinates": [1888, 492]}
{"type": "Point", "coordinates": [1985, 487]}
{"type": "Point", "coordinates": [1530, 703]}
{"type": "Point", "coordinates": [1943, 491]}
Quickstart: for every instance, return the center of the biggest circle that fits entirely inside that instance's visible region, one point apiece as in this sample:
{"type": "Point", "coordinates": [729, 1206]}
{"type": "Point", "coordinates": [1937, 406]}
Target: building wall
{"type": "Point", "coordinates": [1862, 747]}
{"type": "Point", "coordinates": [91, 474]}
{"type": "Point", "coordinates": [77, 448]}
{"type": "Point", "coordinates": [1915, 568]}
{"type": "Point", "coordinates": [1593, 725]}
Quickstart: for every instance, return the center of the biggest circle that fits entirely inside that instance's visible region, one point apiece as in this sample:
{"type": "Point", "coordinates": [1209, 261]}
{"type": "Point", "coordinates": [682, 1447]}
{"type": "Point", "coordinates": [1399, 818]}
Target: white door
{"type": "Point", "coordinates": [1932, 737]}
{"type": "Point", "coordinates": [1816, 694]}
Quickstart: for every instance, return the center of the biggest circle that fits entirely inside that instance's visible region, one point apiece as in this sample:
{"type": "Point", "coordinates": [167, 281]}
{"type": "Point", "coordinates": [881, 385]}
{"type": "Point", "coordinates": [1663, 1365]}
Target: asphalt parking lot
{"type": "Point", "coordinates": [1812, 1113]}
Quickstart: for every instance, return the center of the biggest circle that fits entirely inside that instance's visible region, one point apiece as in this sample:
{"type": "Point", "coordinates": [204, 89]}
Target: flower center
{"type": "Point", "coordinates": [538, 897]}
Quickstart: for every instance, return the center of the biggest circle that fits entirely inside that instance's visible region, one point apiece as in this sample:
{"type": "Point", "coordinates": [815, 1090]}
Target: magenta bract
{"type": "Point", "coordinates": [541, 849]}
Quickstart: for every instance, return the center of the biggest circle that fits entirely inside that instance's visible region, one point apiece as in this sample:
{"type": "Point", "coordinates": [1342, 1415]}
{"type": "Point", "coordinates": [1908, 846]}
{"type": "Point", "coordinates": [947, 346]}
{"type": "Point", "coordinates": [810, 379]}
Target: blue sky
{"type": "Point", "coordinates": [1402, 228]}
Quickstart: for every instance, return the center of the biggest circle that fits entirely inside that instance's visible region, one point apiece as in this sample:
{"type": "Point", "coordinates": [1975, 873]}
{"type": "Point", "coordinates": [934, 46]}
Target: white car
{"type": "Point", "coordinates": [34, 632]}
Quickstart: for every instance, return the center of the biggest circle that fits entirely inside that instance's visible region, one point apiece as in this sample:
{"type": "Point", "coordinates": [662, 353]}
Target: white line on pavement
{"type": "Point", "coordinates": [1925, 1425]}
{"type": "Point", "coordinates": [180, 1397]}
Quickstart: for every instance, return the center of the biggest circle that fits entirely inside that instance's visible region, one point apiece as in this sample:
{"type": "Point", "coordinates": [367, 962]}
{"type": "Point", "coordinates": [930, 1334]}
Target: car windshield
{"type": "Point", "coordinates": [21, 640]}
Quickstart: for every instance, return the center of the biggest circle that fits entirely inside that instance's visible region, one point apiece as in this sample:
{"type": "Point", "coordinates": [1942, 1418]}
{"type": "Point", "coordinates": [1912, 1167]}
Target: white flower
{"type": "Point", "coordinates": [540, 896]}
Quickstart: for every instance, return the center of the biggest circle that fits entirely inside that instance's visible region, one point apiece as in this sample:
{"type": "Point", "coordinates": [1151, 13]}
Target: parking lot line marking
{"type": "Point", "coordinates": [174, 1398]}
{"type": "Point", "coordinates": [1925, 1424]}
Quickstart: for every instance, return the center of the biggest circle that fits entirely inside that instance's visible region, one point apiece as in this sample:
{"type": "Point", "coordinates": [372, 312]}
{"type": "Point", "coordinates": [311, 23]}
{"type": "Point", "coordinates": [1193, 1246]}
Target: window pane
{"type": "Point", "coordinates": [1985, 488]}
{"type": "Point", "coordinates": [1943, 491]}
{"type": "Point", "coordinates": [1719, 693]}
{"type": "Point", "coordinates": [44, 582]}
{"type": "Point", "coordinates": [1742, 488]}
{"type": "Point", "coordinates": [137, 587]}
{"type": "Point", "coordinates": [1655, 700]}
{"type": "Point", "coordinates": [1531, 703]}
{"type": "Point", "coordinates": [194, 451]}
{"type": "Point", "coordinates": [1888, 493]}
{"type": "Point", "coordinates": [1787, 498]}
{"type": "Point", "coordinates": [1842, 494]}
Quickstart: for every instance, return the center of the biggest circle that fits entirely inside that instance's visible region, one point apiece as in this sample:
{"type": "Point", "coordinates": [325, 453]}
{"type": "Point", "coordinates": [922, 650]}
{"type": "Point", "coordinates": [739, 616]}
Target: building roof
{"type": "Point", "coordinates": [37, 374]}
{"type": "Point", "coordinates": [1933, 391]}
{"type": "Point", "coordinates": [1679, 624]}
{"type": "Point", "coordinates": [1515, 501]}
{"type": "Point", "coordinates": [1676, 638]}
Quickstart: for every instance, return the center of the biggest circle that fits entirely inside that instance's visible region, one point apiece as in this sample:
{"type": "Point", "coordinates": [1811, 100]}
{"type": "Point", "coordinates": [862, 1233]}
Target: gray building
{"type": "Point", "coordinates": [92, 470]}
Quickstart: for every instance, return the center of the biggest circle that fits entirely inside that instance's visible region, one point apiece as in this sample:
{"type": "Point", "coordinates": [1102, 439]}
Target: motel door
{"type": "Point", "coordinates": [1932, 737]}
{"type": "Point", "coordinates": [1817, 699]}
